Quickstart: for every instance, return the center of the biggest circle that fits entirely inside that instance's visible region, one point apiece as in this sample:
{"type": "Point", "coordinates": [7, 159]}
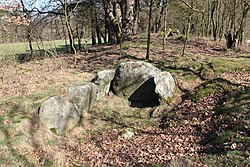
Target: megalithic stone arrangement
{"type": "Point", "coordinates": [141, 83]}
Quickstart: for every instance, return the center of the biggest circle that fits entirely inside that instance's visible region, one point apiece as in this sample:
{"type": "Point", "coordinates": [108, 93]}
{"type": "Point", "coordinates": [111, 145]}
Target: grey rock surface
{"type": "Point", "coordinates": [164, 86]}
{"type": "Point", "coordinates": [83, 96]}
{"type": "Point", "coordinates": [103, 80]}
{"type": "Point", "coordinates": [143, 84]}
{"type": "Point", "coordinates": [130, 76]}
{"type": "Point", "coordinates": [58, 114]}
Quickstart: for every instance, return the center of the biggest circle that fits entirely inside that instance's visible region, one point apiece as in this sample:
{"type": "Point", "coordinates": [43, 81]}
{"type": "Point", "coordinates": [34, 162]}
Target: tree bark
{"type": "Point", "coordinates": [65, 36]}
{"type": "Point", "coordinates": [229, 40]}
{"type": "Point", "coordinates": [136, 13]}
{"type": "Point", "coordinates": [30, 40]}
{"type": "Point", "coordinates": [149, 29]}
{"type": "Point", "coordinates": [214, 6]}
{"type": "Point", "coordinates": [78, 33]}
{"type": "Point", "coordinates": [246, 8]}
{"type": "Point", "coordinates": [160, 14]}
{"type": "Point", "coordinates": [121, 16]}
{"type": "Point", "coordinates": [109, 8]}
{"type": "Point", "coordinates": [164, 27]}
{"type": "Point", "coordinates": [71, 40]}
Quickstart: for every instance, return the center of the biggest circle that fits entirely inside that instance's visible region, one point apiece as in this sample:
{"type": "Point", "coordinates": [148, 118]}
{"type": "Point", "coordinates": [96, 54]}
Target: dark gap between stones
{"type": "Point", "coordinates": [145, 95]}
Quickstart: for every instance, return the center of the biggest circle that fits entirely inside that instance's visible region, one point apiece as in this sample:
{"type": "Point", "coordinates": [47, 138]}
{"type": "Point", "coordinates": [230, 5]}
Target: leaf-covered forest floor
{"type": "Point", "coordinates": [208, 122]}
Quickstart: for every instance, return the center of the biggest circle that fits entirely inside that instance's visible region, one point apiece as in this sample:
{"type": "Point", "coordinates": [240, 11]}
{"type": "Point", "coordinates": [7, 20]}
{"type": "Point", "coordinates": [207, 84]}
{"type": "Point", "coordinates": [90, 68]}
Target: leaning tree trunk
{"type": "Point", "coordinates": [71, 41]}
{"type": "Point", "coordinates": [160, 14]}
{"type": "Point", "coordinates": [114, 27]}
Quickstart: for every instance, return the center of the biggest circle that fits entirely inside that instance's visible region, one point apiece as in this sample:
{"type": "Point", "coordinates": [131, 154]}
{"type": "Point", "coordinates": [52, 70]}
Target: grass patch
{"type": "Point", "coordinates": [221, 65]}
{"type": "Point", "coordinates": [212, 87]}
{"type": "Point", "coordinates": [190, 77]}
{"type": "Point", "coordinates": [23, 48]}
{"type": "Point", "coordinates": [203, 92]}
{"type": "Point", "coordinates": [126, 46]}
{"type": "Point", "coordinates": [116, 113]}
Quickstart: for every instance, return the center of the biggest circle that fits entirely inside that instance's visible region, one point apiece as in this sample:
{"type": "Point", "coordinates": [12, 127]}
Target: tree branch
{"type": "Point", "coordinates": [191, 7]}
{"type": "Point", "coordinates": [47, 12]}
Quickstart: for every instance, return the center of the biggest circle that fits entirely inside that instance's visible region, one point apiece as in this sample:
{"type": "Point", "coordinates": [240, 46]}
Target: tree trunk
{"type": "Point", "coordinates": [164, 28]}
{"type": "Point", "coordinates": [149, 29]}
{"type": "Point", "coordinates": [246, 8]}
{"type": "Point", "coordinates": [121, 16]}
{"type": "Point", "coordinates": [186, 35]}
{"type": "Point", "coordinates": [135, 26]}
{"type": "Point", "coordinates": [79, 37]}
{"type": "Point", "coordinates": [223, 20]}
{"type": "Point", "coordinates": [111, 34]}
{"type": "Point", "coordinates": [229, 40]}
{"type": "Point", "coordinates": [99, 39]}
{"type": "Point", "coordinates": [187, 29]}
{"type": "Point", "coordinates": [160, 14]}
{"type": "Point", "coordinates": [214, 6]}
{"type": "Point", "coordinates": [207, 32]}
{"type": "Point", "coordinates": [109, 8]}
{"type": "Point", "coordinates": [30, 40]}
{"type": "Point", "coordinates": [65, 36]}
{"type": "Point", "coordinates": [127, 18]}
{"type": "Point", "coordinates": [105, 29]}
{"type": "Point", "coordinates": [98, 33]}
{"type": "Point", "coordinates": [71, 40]}
{"type": "Point", "coordinates": [93, 35]}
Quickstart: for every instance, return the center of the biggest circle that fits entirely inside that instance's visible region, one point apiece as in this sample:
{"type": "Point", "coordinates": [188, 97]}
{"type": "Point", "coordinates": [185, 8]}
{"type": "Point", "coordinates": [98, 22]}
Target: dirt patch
{"type": "Point", "coordinates": [28, 78]}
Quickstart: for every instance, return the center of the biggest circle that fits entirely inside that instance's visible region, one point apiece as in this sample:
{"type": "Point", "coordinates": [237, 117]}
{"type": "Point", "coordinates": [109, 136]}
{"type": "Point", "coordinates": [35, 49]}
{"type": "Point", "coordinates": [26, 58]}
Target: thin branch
{"type": "Point", "coordinates": [191, 7]}
{"type": "Point", "coordinates": [47, 12]}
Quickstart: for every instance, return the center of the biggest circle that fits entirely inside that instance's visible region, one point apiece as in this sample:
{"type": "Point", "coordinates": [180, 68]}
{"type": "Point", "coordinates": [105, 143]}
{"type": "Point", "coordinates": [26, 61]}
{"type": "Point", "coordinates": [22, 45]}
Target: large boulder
{"type": "Point", "coordinates": [58, 114]}
{"type": "Point", "coordinates": [103, 80]}
{"type": "Point", "coordinates": [143, 84]}
{"type": "Point", "coordinates": [130, 76]}
{"type": "Point", "coordinates": [164, 86]}
{"type": "Point", "coordinates": [83, 96]}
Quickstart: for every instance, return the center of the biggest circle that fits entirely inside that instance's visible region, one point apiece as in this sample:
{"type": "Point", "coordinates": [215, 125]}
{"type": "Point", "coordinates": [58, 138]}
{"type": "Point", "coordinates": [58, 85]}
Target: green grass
{"type": "Point", "coordinates": [125, 46]}
{"type": "Point", "coordinates": [118, 114]}
{"type": "Point", "coordinates": [22, 48]}
{"type": "Point", "coordinates": [228, 64]}
{"type": "Point", "coordinates": [14, 124]}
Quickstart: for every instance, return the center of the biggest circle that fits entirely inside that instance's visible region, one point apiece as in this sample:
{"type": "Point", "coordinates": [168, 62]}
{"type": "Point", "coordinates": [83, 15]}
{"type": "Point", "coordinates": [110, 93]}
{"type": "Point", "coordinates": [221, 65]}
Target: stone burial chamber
{"type": "Point", "coordinates": [141, 83]}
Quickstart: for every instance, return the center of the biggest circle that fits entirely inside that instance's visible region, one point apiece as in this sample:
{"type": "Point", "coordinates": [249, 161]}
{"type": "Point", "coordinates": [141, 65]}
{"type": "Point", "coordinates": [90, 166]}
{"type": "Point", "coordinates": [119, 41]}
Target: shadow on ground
{"type": "Point", "coordinates": [222, 118]}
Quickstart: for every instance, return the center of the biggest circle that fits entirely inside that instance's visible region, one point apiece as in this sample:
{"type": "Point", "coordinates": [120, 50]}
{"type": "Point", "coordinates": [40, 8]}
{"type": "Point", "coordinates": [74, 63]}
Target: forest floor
{"type": "Point", "coordinates": [207, 124]}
